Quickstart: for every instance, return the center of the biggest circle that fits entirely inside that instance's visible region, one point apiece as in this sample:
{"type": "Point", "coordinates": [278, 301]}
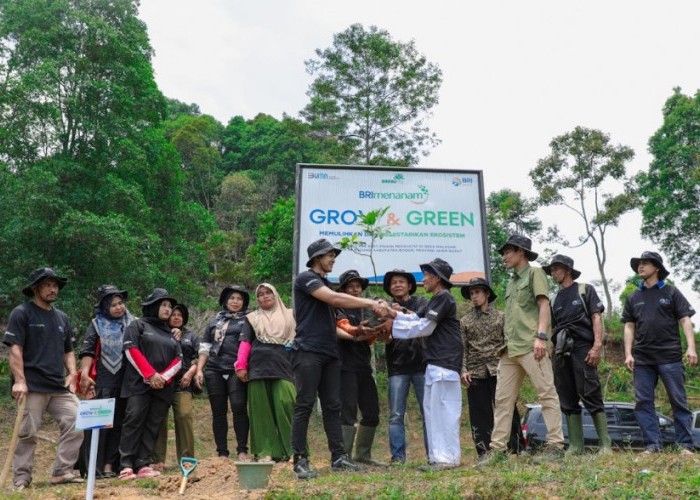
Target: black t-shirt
{"type": "Point", "coordinates": [405, 356]}
{"type": "Point", "coordinates": [267, 361]}
{"type": "Point", "coordinates": [444, 346]}
{"type": "Point", "coordinates": [315, 329]}
{"type": "Point", "coordinates": [655, 312]}
{"type": "Point", "coordinates": [354, 356]}
{"type": "Point", "coordinates": [228, 352]}
{"type": "Point", "coordinates": [153, 338]}
{"type": "Point", "coordinates": [45, 337]}
{"type": "Point", "coordinates": [189, 343]}
{"type": "Point", "coordinates": [104, 378]}
{"type": "Point", "coordinates": [569, 312]}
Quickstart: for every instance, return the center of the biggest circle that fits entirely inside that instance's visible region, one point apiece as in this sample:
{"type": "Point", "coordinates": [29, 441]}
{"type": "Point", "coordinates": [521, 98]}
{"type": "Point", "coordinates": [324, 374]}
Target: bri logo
{"type": "Point", "coordinates": [417, 197]}
{"type": "Point", "coordinates": [664, 301]}
{"type": "Point", "coordinates": [398, 179]}
{"type": "Point", "coordinates": [462, 181]}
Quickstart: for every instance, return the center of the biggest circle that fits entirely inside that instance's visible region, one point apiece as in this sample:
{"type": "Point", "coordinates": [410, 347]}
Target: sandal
{"type": "Point", "coordinates": [67, 478]}
{"type": "Point", "coordinates": [147, 472]}
{"type": "Point", "coordinates": [127, 473]}
{"type": "Point", "coordinates": [20, 485]}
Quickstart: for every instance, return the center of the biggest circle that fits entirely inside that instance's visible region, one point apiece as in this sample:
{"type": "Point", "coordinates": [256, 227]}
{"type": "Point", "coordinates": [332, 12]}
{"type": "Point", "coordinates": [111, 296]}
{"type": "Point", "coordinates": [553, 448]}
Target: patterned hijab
{"type": "Point", "coordinates": [275, 325]}
{"type": "Point", "coordinates": [111, 332]}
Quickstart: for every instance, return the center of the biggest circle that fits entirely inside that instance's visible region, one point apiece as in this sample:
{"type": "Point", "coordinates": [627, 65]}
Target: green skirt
{"type": "Point", "coordinates": [271, 406]}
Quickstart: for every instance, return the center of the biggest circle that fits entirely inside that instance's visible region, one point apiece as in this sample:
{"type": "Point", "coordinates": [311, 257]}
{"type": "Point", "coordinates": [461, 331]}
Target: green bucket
{"type": "Point", "coordinates": [253, 475]}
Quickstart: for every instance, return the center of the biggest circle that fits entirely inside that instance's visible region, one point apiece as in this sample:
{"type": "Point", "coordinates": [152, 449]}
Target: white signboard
{"type": "Point", "coordinates": [95, 414]}
{"type": "Point", "coordinates": [432, 213]}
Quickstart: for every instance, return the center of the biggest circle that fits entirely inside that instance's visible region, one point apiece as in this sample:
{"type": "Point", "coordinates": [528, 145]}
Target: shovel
{"type": "Point", "coordinates": [186, 471]}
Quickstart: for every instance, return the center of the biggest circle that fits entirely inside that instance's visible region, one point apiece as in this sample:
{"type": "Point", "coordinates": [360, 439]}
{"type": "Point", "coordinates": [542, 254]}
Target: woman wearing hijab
{"type": "Point", "coordinates": [182, 400]}
{"type": "Point", "coordinates": [103, 344]}
{"type": "Point", "coordinates": [218, 352]}
{"type": "Point", "coordinates": [264, 363]}
{"type": "Point", "coordinates": [155, 358]}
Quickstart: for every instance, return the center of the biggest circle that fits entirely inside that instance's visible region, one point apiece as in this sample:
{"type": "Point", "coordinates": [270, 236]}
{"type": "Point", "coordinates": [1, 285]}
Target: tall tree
{"type": "Point", "coordinates": [670, 189]}
{"type": "Point", "coordinates": [576, 174]}
{"type": "Point", "coordinates": [507, 212]}
{"type": "Point", "coordinates": [89, 183]}
{"type": "Point", "coordinates": [374, 94]}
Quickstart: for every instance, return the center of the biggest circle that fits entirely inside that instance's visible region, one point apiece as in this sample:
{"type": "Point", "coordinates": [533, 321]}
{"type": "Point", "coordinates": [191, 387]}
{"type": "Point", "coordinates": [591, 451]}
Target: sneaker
{"type": "Point", "coordinates": [491, 457]}
{"type": "Point", "coordinates": [550, 453]}
{"type": "Point", "coordinates": [302, 469]}
{"type": "Point", "coordinates": [345, 463]}
{"type": "Point", "coordinates": [147, 471]}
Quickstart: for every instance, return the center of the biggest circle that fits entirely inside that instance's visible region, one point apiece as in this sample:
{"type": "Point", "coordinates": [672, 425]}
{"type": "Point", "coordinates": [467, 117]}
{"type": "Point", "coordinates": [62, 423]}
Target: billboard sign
{"type": "Point", "coordinates": [432, 213]}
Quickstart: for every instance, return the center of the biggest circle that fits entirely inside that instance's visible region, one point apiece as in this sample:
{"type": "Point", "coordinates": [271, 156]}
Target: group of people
{"type": "Point", "coordinates": [269, 365]}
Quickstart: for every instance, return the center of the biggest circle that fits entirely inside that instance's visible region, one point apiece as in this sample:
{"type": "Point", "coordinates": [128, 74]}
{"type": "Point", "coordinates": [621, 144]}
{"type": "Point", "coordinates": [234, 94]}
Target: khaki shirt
{"type": "Point", "coordinates": [482, 336]}
{"type": "Point", "coordinates": [522, 313]}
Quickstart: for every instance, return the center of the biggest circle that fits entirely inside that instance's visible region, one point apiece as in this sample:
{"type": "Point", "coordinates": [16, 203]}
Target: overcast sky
{"type": "Point", "coordinates": [515, 75]}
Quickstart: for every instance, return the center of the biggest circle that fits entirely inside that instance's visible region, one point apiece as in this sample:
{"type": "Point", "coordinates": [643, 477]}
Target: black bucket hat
{"type": "Point", "coordinates": [349, 276]}
{"type": "Point", "coordinates": [40, 274]}
{"type": "Point", "coordinates": [520, 241]}
{"type": "Point", "coordinates": [478, 283]}
{"type": "Point", "coordinates": [655, 258]}
{"type": "Point", "coordinates": [158, 295]}
{"type": "Point", "coordinates": [399, 272]}
{"type": "Point", "coordinates": [441, 268]}
{"type": "Point", "coordinates": [564, 261]}
{"type": "Point", "coordinates": [185, 312]}
{"type": "Point", "coordinates": [226, 293]}
{"type": "Point", "coordinates": [320, 247]}
{"type": "Point", "coordinates": [106, 290]}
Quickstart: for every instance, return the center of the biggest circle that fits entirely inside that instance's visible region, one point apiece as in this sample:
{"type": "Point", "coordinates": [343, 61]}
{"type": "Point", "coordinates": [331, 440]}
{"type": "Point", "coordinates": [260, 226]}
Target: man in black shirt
{"type": "Point", "coordinates": [578, 340]}
{"type": "Point", "coordinates": [404, 361]}
{"type": "Point", "coordinates": [442, 402]}
{"type": "Point", "coordinates": [653, 349]}
{"type": "Point", "coordinates": [315, 358]}
{"type": "Point", "coordinates": [41, 350]}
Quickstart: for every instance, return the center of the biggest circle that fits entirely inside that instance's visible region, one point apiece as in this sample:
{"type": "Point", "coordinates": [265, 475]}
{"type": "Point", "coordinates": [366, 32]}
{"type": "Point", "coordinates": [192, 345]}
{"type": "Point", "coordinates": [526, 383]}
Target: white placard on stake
{"type": "Point", "coordinates": [95, 414]}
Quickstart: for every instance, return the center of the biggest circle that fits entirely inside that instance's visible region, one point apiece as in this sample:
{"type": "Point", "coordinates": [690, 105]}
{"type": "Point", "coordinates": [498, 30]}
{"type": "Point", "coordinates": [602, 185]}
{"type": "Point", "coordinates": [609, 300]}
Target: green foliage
{"type": "Point", "coordinates": [373, 93]}
{"type": "Point", "coordinates": [88, 182]}
{"type": "Point", "coordinates": [670, 189]}
{"type": "Point", "coordinates": [581, 167]}
{"type": "Point", "coordinates": [272, 253]}
{"type": "Point", "coordinates": [371, 224]}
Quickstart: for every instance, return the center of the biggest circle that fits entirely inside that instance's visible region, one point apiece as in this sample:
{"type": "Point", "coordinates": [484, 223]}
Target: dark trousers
{"type": "Point", "coordinates": [481, 396]}
{"type": "Point", "coordinates": [108, 443]}
{"type": "Point", "coordinates": [142, 419]}
{"type": "Point", "coordinates": [358, 389]}
{"type": "Point", "coordinates": [575, 380]}
{"type": "Point", "coordinates": [316, 373]}
{"type": "Point", "coordinates": [222, 392]}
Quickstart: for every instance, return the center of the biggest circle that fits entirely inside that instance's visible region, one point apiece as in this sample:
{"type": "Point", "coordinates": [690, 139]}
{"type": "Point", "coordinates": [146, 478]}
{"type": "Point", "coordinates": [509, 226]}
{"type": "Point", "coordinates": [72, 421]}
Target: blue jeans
{"type": "Point", "coordinates": [645, 379]}
{"type": "Point", "coordinates": [399, 386]}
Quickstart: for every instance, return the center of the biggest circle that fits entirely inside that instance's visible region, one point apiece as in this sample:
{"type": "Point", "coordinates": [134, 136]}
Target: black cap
{"type": "Point", "coordinates": [107, 290]}
{"type": "Point", "coordinates": [520, 241]}
{"type": "Point", "coordinates": [441, 268]}
{"type": "Point", "coordinates": [38, 275]}
{"type": "Point", "coordinates": [564, 261]}
{"type": "Point", "coordinates": [399, 272]}
{"type": "Point", "coordinates": [477, 282]}
{"type": "Point", "coordinates": [158, 295]}
{"type": "Point", "coordinates": [349, 276]}
{"type": "Point", "coordinates": [653, 257]}
{"type": "Point", "coordinates": [226, 293]}
{"type": "Point", "coordinates": [320, 247]}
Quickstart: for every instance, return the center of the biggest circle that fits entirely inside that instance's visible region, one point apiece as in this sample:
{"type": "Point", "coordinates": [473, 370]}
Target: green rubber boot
{"type": "Point", "coordinates": [575, 426]}
{"type": "Point", "coordinates": [363, 446]}
{"type": "Point", "coordinates": [600, 420]}
{"type": "Point", "coordinates": [348, 438]}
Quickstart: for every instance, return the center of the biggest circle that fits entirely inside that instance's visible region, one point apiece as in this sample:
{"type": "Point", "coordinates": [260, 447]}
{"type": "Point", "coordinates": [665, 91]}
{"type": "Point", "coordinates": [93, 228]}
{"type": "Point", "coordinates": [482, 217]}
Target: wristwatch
{"type": "Point", "coordinates": [542, 336]}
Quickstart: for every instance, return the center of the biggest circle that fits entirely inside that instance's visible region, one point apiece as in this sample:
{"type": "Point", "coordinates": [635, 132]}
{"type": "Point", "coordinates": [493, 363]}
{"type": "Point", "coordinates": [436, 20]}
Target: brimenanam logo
{"type": "Point", "coordinates": [417, 197]}
{"type": "Point", "coordinates": [323, 176]}
{"type": "Point", "coordinates": [462, 181]}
